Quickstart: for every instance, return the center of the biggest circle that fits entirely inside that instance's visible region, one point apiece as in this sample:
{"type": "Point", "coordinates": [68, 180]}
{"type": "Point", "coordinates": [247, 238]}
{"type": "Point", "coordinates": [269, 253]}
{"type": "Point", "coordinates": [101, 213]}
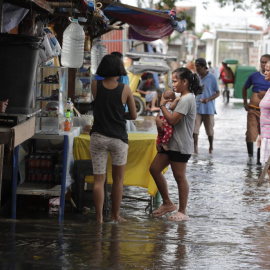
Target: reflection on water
{"type": "Point", "coordinates": [226, 230]}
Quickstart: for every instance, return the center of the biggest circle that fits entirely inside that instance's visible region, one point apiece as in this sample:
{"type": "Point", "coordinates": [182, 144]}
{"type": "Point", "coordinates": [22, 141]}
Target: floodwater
{"type": "Point", "coordinates": [226, 230]}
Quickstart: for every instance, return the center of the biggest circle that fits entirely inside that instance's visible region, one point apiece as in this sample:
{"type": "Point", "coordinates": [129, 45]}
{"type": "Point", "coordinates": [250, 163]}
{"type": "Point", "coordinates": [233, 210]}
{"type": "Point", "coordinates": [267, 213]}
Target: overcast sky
{"type": "Point", "coordinates": [215, 16]}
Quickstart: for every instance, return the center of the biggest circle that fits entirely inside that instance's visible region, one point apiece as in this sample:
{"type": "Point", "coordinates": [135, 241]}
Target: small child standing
{"type": "Point", "coordinates": [165, 135]}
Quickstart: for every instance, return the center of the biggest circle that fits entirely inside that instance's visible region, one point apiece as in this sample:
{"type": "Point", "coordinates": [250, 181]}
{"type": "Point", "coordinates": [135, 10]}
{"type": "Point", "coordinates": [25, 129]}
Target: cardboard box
{"type": "Point", "coordinates": [18, 134]}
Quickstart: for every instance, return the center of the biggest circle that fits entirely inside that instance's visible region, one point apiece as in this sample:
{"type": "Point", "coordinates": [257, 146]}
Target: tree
{"type": "Point", "coordinates": [170, 4]}
{"type": "Point", "coordinates": [166, 5]}
{"type": "Point", "coordinates": [262, 5]}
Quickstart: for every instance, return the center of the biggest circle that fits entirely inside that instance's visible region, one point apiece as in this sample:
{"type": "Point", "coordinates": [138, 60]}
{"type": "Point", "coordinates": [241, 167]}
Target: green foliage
{"type": "Point", "coordinates": [170, 4]}
{"type": "Point", "coordinates": [262, 5]}
{"type": "Point", "coordinates": [188, 19]}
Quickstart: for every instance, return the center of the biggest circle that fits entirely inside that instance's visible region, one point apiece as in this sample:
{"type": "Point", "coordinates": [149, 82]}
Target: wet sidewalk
{"type": "Point", "coordinates": [226, 230]}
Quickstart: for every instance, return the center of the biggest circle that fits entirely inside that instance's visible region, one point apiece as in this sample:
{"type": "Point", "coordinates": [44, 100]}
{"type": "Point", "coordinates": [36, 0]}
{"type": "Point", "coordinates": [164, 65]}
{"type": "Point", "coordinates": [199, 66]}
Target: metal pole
{"type": "Point", "coordinates": [1, 167]}
{"type": "Point", "coordinates": [1, 15]}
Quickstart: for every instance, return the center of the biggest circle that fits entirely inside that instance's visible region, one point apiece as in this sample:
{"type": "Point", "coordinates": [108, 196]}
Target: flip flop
{"type": "Point", "coordinates": [162, 210]}
{"type": "Point", "coordinates": [178, 216]}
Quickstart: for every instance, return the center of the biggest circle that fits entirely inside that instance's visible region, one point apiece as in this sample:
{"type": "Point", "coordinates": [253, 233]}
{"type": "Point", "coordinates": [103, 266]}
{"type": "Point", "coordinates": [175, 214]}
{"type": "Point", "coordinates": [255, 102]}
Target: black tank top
{"type": "Point", "coordinates": [109, 112]}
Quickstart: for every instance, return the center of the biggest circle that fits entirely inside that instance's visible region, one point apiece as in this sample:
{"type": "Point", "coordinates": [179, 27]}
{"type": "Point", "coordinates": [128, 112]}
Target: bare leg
{"type": "Point", "coordinates": [267, 208]}
{"type": "Point", "coordinates": [258, 155]}
{"type": "Point", "coordinates": [153, 103]}
{"type": "Point", "coordinates": [117, 191]}
{"type": "Point", "coordinates": [195, 138]}
{"type": "Point", "coordinates": [98, 195]}
{"type": "Point", "coordinates": [179, 173]}
{"type": "Point", "coordinates": [160, 162]}
{"type": "Point", "coordinates": [268, 172]}
{"type": "Point", "coordinates": [210, 139]}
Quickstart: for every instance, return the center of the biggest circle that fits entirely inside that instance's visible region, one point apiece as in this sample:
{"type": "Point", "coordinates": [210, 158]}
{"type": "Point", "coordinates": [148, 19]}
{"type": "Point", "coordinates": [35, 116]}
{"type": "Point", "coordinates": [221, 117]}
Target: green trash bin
{"type": "Point", "coordinates": [241, 75]}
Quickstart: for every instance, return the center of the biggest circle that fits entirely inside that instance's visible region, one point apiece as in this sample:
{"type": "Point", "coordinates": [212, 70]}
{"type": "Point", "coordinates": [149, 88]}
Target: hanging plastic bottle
{"type": "Point", "coordinates": [73, 45]}
{"type": "Point", "coordinates": [97, 52]}
{"type": "Point", "coordinates": [87, 43]}
{"type": "Point", "coordinates": [69, 108]}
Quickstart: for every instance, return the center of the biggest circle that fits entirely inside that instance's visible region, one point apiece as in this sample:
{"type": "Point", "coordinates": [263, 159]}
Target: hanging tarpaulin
{"type": "Point", "coordinates": [145, 24]}
{"type": "Point", "coordinates": [12, 16]}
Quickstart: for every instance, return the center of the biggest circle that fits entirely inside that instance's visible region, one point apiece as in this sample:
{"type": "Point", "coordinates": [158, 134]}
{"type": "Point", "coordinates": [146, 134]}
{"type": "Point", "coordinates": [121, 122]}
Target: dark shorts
{"type": "Point", "coordinates": [176, 156]}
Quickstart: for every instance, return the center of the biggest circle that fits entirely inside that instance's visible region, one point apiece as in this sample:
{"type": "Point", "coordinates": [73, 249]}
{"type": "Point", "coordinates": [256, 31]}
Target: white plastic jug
{"type": "Point", "coordinates": [98, 51]}
{"type": "Point", "coordinates": [73, 45]}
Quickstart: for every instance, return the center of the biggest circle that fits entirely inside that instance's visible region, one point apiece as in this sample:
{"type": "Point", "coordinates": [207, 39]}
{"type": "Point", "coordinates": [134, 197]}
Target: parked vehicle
{"type": "Point", "coordinates": [241, 74]}
{"type": "Point", "coordinates": [226, 93]}
{"type": "Point", "coordinates": [151, 63]}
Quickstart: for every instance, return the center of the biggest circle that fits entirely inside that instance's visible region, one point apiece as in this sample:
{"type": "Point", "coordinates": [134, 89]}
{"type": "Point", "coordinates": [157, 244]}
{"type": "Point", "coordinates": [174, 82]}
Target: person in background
{"type": "Point", "coordinates": [3, 106]}
{"type": "Point", "coordinates": [205, 104]}
{"type": "Point", "coordinates": [226, 74]}
{"type": "Point", "coordinates": [147, 89]}
{"type": "Point", "coordinates": [108, 133]}
{"type": "Point", "coordinates": [210, 68]}
{"type": "Point", "coordinates": [264, 138]}
{"type": "Point", "coordinates": [123, 79]}
{"type": "Point", "coordinates": [165, 134]}
{"type": "Point", "coordinates": [180, 144]}
{"type": "Point", "coordinates": [191, 66]}
{"type": "Point", "coordinates": [259, 87]}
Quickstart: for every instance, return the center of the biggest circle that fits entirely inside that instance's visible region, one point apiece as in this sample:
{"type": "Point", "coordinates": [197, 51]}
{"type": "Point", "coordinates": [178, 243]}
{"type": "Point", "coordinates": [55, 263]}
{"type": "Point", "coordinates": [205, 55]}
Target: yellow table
{"type": "Point", "coordinates": [141, 152]}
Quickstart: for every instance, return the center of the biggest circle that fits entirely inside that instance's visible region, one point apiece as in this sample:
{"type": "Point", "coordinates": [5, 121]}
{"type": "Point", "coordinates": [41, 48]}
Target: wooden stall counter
{"type": "Point", "coordinates": [13, 137]}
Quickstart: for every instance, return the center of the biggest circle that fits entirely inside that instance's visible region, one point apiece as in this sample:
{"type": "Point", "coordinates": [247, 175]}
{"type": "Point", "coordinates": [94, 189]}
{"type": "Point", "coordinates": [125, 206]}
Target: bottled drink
{"type": "Point", "coordinates": [37, 161]}
{"type": "Point", "coordinates": [97, 52]}
{"type": "Point", "coordinates": [73, 45]}
{"type": "Point", "coordinates": [69, 108]}
{"type": "Point", "coordinates": [49, 163]}
{"type": "Point", "coordinates": [31, 176]}
{"type": "Point", "coordinates": [31, 162]}
{"type": "Point", "coordinates": [43, 162]}
{"type": "Point", "coordinates": [87, 42]}
{"type": "Point", "coordinates": [67, 124]}
{"type": "Point", "coordinates": [56, 174]}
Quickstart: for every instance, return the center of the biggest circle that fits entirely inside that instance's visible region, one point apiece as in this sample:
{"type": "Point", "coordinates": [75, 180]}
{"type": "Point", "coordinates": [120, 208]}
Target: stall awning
{"type": "Point", "coordinates": [144, 24]}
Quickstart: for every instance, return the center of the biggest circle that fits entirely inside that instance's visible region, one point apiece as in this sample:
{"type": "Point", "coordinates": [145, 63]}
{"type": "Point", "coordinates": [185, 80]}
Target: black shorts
{"type": "Point", "coordinates": [176, 156]}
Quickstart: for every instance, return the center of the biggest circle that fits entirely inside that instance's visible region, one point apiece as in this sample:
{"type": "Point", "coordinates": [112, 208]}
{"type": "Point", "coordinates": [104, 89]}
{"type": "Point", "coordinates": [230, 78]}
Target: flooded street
{"type": "Point", "coordinates": [226, 230]}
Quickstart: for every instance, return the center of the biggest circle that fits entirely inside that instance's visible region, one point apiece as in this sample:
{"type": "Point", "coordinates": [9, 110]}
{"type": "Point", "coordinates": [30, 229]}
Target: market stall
{"type": "Point", "coordinates": [40, 26]}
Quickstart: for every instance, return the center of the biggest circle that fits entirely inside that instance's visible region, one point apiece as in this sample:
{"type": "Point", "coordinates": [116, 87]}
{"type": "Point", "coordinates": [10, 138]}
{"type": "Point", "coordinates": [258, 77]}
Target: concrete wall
{"type": "Point", "coordinates": [231, 43]}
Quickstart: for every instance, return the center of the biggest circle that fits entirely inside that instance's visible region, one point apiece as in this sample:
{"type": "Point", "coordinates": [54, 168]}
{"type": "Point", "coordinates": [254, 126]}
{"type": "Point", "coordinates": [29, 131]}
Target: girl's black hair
{"type": "Point", "coordinates": [193, 79]}
{"type": "Point", "coordinates": [111, 66]}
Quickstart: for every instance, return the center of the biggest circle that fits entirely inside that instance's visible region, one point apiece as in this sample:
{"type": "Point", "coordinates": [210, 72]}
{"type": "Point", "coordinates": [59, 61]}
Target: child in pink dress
{"type": "Point", "coordinates": [165, 135]}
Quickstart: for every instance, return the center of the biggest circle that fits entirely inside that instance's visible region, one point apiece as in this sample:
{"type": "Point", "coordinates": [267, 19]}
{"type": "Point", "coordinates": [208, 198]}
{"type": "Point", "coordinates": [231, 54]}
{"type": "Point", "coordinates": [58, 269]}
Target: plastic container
{"type": "Point", "coordinates": [69, 108]}
{"type": "Point", "coordinates": [19, 59]}
{"type": "Point", "coordinates": [73, 46]}
{"type": "Point", "coordinates": [98, 51]}
{"type": "Point", "coordinates": [67, 124]}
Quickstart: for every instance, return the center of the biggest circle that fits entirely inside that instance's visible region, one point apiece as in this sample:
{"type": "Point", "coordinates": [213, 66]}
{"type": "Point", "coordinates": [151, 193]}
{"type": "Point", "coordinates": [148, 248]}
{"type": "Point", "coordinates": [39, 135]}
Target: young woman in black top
{"type": "Point", "coordinates": [108, 134]}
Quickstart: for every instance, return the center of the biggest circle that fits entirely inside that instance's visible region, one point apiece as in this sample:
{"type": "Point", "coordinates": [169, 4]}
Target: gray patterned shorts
{"type": "Point", "coordinates": [100, 146]}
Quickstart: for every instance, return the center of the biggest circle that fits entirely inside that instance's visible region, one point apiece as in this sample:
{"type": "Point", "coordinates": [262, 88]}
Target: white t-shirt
{"type": "Point", "coordinates": [182, 138]}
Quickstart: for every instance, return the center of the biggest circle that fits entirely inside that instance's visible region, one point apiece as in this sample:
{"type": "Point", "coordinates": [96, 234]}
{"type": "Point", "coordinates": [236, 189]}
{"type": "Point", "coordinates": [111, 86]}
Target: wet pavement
{"type": "Point", "coordinates": [226, 230]}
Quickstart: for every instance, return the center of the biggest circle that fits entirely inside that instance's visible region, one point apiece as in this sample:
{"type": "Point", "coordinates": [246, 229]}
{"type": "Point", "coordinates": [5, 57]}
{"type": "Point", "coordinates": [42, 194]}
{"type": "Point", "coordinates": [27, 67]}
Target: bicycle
{"type": "Point", "coordinates": [226, 94]}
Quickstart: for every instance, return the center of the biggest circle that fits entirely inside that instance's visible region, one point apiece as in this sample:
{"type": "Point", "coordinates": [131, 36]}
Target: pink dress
{"type": "Point", "coordinates": [265, 127]}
